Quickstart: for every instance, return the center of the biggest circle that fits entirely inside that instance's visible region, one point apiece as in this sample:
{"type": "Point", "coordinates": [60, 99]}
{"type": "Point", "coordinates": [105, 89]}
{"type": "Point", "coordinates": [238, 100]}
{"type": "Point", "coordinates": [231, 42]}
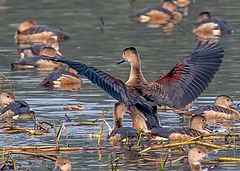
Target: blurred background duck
{"type": "Point", "coordinates": [207, 27]}
{"type": "Point", "coordinates": [63, 79]}
{"type": "Point", "coordinates": [17, 110]}
{"type": "Point", "coordinates": [29, 32]}
{"type": "Point", "coordinates": [165, 12]}
{"type": "Point", "coordinates": [63, 164]}
{"type": "Point", "coordinates": [34, 49]}
{"type": "Point", "coordinates": [119, 132]}
{"type": "Point", "coordinates": [222, 110]}
{"type": "Point", "coordinates": [195, 155]}
{"type": "Point", "coordinates": [41, 62]}
{"type": "Point", "coordinates": [179, 134]}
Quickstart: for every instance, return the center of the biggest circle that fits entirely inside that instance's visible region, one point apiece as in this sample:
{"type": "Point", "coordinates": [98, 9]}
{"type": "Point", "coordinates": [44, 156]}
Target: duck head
{"type": "Point", "coordinates": [203, 16]}
{"type": "Point", "coordinates": [129, 55]}
{"type": "Point", "coordinates": [169, 5]}
{"type": "Point", "coordinates": [197, 122]}
{"type": "Point", "coordinates": [6, 98]}
{"type": "Point", "coordinates": [224, 101]}
{"type": "Point", "coordinates": [48, 52]}
{"type": "Point", "coordinates": [63, 164]}
{"type": "Point", "coordinates": [195, 155]}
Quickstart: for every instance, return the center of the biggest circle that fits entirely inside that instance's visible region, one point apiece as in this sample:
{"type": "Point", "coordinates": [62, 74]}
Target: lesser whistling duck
{"type": "Point", "coordinates": [17, 110]}
{"type": "Point", "coordinates": [63, 164]}
{"type": "Point", "coordinates": [222, 110]}
{"type": "Point", "coordinates": [30, 50]}
{"type": "Point", "coordinates": [119, 132]}
{"type": "Point", "coordinates": [29, 32]}
{"type": "Point", "coordinates": [195, 155]}
{"type": "Point", "coordinates": [161, 14]}
{"type": "Point", "coordinates": [182, 85]}
{"type": "Point", "coordinates": [208, 27]}
{"type": "Point", "coordinates": [182, 3]}
{"type": "Point", "coordinates": [38, 61]}
{"type": "Point", "coordinates": [6, 98]}
{"type": "Point", "coordinates": [62, 78]}
{"type": "Point", "coordinates": [180, 134]}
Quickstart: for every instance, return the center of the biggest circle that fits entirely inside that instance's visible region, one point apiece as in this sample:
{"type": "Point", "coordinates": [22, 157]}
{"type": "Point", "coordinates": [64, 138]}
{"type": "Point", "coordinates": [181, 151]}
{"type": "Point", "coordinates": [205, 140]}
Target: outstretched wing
{"type": "Point", "coordinates": [189, 78]}
{"type": "Point", "coordinates": [113, 86]}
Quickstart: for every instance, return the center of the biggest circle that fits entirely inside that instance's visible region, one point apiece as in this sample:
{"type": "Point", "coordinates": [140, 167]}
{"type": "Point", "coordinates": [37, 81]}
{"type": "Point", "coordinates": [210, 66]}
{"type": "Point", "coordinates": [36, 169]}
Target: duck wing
{"type": "Point", "coordinates": [61, 35]}
{"type": "Point", "coordinates": [112, 85]}
{"type": "Point", "coordinates": [188, 79]}
{"type": "Point", "coordinates": [17, 107]}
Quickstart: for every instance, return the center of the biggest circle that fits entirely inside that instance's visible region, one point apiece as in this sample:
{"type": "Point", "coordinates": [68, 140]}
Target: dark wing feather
{"type": "Point", "coordinates": [166, 132]}
{"type": "Point", "coordinates": [188, 79]}
{"type": "Point", "coordinates": [113, 86]}
{"type": "Point", "coordinates": [215, 108]}
{"type": "Point", "coordinates": [17, 107]}
{"type": "Point", "coordinates": [40, 29]}
{"type": "Point", "coordinates": [53, 76]}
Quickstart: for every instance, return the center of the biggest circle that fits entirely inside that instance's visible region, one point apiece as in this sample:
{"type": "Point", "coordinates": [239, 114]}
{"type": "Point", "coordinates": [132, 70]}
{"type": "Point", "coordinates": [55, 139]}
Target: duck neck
{"type": "Point", "coordinates": [196, 126]}
{"type": "Point", "coordinates": [136, 75]}
{"type": "Point", "coordinates": [196, 166]}
{"type": "Point", "coordinates": [117, 121]}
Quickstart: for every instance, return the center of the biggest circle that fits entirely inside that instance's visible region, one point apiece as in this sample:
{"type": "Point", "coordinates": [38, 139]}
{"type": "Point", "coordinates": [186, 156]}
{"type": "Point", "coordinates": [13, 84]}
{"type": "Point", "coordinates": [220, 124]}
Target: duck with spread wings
{"type": "Point", "coordinates": [180, 86]}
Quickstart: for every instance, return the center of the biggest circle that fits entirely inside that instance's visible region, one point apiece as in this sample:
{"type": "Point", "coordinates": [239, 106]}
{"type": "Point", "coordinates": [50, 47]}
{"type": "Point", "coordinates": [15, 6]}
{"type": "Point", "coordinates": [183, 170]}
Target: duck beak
{"type": "Point", "coordinates": [120, 61]}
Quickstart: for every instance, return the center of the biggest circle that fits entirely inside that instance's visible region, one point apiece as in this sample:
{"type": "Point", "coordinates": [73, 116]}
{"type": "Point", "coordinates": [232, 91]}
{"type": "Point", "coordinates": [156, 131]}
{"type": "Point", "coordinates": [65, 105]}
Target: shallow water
{"type": "Point", "coordinates": [90, 45]}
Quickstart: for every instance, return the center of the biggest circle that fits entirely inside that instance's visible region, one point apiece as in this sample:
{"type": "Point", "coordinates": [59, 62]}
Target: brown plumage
{"type": "Point", "coordinates": [63, 164]}
{"type": "Point", "coordinates": [221, 111]}
{"type": "Point", "coordinates": [119, 132]}
{"type": "Point", "coordinates": [6, 98]}
{"type": "Point", "coordinates": [180, 134]}
{"type": "Point", "coordinates": [195, 155]}
{"type": "Point", "coordinates": [34, 49]}
{"type": "Point", "coordinates": [209, 28]}
{"type": "Point", "coordinates": [183, 84]}
{"type": "Point", "coordinates": [41, 62]}
{"type": "Point", "coordinates": [160, 14]}
{"type": "Point", "coordinates": [29, 32]}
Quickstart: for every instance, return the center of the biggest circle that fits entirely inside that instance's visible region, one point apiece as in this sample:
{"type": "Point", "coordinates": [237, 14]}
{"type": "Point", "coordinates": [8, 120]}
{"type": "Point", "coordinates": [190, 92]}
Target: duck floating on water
{"type": "Point", "coordinates": [179, 134]}
{"type": "Point", "coordinates": [163, 13]}
{"type": "Point", "coordinates": [40, 61]}
{"type": "Point", "coordinates": [29, 32]}
{"type": "Point", "coordinates": [17, 110]}
{"type": "Point", "coordinates": [195, 155]}
{"type": "Point", "coordinates": [221, 111]}
{"type": "Point", "coordinates": [62, 164]}
{"type": "Point", "coordinates": [207, 27]}
{"type": "Point", "coordinates": [182, 85]}
{"type": "Point", "coordinates": [62, 78]}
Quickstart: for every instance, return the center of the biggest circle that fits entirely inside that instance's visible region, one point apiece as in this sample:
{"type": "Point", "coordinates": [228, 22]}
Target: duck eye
{"type": "Point", "coordinates": [227, 99]}
{"type": "Point", "coordinates": [8, 96]}
{"type": "Point", "coordinates": [203, 120]}
{"type": "Point", "coordinates": [64, 163]}
{"type": "Point", "coordinates": [199, 151]}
